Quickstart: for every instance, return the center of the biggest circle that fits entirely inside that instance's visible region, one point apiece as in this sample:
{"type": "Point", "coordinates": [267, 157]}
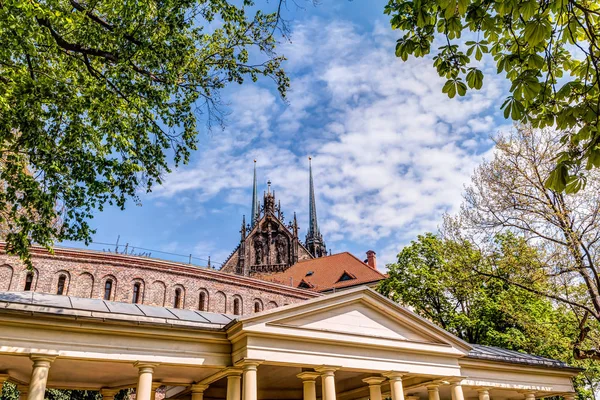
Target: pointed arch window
{"type": "Point", "coordinates": [136, 293]}
{"type": "Point", "coordinates": [61, 284]}
{"type": "Point", "coordinates": [28, 281]}
{"type": "Point", "coordinates": [108, 289]}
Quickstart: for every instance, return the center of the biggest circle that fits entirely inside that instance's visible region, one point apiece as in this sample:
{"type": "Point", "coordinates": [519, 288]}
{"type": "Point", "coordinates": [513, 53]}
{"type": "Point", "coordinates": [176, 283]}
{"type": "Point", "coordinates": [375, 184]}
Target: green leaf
{"type": "Point", "coordinates": [475, 79]}
{"type": "Point", "coordinates": [449, 88]}
{"type": "Point", "coordinates": [557, 180]}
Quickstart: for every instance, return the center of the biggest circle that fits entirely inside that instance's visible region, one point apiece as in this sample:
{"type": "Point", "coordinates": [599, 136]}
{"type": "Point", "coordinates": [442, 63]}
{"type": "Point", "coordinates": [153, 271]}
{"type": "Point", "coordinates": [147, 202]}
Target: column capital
{"type": "Point", "coordinates": [326, 370]}
{"type": "Point", "coordinates": [569, 396]}
{"type": "Point", "coordinates": [144, 366]}
{"type": "Point", "coordinates": [394, 375]}
{"type": "Point", "coordinates": [198, 387]}
{"type": "Point", "coordinates": [42, 360]}
{"type": "Point", "coordinates": [456, 380]}
{"type": "Point", "coordinates": [233, 371]}
{"type": "Point", "coordinates": [483, 389]}
{"type": "Point", "coordinates": [412, 397]}
{"type": "Point", "coordinates": [308, 375]}
{"type": "Point", "coordinates": [433, 387]}
{"type": "Point", "coordinates": [249, 364]}
{"type": "Point", "coordinates": [249, 361]}
{"type": "Point", "coordinates": [374, 380]}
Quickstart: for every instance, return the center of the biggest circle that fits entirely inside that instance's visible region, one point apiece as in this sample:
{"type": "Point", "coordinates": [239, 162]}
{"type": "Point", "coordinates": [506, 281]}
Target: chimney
{"type": "Point", "coordinates": [372, 259]}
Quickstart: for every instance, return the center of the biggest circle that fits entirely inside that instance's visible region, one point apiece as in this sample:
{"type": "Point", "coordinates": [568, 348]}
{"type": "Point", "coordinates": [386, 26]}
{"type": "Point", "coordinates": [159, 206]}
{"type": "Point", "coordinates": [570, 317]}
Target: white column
{"type": "Point", "coordinates": [433, 392]}
{"type": "Point", "coordinates": [144, 386]}
{"type": "Point", "coordinates": [233, 386]}
{"type": "Point", "coordinates": [309, 383]}
{"type": "Point", "coordinates": [198, 391]}
{"type": "Point", "coordinates": [396, 385]}
{"type": "Point", "coordinates": [23, 392]}
{"type": "Point", "coordinates": [456, 391]}
{"type": "Point", "coordinates": [250, 379]}
{"type": "Point", "coordinates": [39, 376]}
{"type": "Point", "coordinates": [484, 393]}
{"type": "Point", "coordinates": [327, 382]}
{"type": "Point", "coordinates": [108, 394]}
{"type": "Point", "coordinates": [374, 383]}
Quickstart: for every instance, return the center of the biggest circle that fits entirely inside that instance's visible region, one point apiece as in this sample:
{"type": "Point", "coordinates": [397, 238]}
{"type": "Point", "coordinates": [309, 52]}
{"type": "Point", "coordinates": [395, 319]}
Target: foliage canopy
{"type": "Point", "coordinates": [507, 194]}
{"type": "Point", "coordinates": [548, 50]}
{"type": "Point", "coordinates": [438, 278]}
{"type": "Point", "coordinates": [99, 99]}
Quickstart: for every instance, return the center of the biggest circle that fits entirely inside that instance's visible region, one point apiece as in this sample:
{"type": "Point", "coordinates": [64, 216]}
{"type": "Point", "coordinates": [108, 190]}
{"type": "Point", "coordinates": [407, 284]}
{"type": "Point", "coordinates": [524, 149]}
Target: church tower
{"type": "Point", "coordinates": [267, 243]}
{"type": "Point", "coordinates": [314, 240]}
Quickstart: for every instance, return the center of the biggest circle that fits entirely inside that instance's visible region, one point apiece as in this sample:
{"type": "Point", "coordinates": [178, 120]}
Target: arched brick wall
{"type": "Point", "coordinates": [87, 273]}
{"type": "Point", "coordinates": [84, 285]}
{"type": "Point", "coordinates": [271, 305]}
{"type": "Point", "coordinates": [158, 291]}
{"type": "Point", "coordinates": [219, 304]}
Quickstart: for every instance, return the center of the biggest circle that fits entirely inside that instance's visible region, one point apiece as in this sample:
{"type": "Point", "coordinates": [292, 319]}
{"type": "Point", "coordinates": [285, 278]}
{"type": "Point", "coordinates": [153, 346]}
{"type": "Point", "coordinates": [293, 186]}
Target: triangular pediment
{"type": "Point", "coordinates": [357, 318]}
{"type": "Point", "coordinates": [356, 315]}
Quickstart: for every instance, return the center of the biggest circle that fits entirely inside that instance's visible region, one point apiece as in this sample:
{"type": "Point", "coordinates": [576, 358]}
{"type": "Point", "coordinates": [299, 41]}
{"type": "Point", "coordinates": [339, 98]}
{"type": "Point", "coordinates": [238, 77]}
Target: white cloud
{"type": "Point", "coordinates": [391, 152]}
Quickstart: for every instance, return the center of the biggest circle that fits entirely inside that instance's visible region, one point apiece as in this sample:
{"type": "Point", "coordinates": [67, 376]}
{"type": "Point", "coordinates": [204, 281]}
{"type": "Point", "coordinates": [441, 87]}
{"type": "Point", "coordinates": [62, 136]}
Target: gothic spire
{"type": "Point", "coordinates": [313, 228]}
{"type": "Point", "coordinates": [255, 206]}
{"type": "Point", "coordinates": [314, 240]}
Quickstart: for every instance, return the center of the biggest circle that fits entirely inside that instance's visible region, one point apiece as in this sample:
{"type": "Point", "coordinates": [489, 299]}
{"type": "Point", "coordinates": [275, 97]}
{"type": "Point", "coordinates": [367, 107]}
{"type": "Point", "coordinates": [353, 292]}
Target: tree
{"type": "Point", "coordinates": [97, 99]}
{"type": "Point", "coordinates": [436, 278]}
{"type": "Point", "coordinates": [508, 194]}
{"type": "Point", "coordinates": [548, 50]}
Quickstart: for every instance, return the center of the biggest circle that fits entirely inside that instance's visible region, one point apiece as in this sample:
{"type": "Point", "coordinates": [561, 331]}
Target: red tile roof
{"type": "Point", "coordinates": [323, 274]}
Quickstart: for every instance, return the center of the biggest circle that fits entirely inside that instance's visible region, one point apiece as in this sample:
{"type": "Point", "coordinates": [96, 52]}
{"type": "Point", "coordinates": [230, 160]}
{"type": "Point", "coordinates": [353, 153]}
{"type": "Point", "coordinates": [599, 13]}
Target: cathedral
{"type": "Point", "coordinates": [267, 244]}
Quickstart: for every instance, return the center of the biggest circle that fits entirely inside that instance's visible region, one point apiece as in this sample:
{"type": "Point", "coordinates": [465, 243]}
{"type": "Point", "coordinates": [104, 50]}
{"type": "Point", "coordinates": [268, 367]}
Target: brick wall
{"type": "Point", "coordinates": [86, 274]}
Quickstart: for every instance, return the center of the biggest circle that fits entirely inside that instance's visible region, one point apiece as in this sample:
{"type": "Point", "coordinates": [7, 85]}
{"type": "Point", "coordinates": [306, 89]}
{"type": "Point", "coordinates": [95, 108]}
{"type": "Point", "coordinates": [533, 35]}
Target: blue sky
{"type": "Point", "coordinates": [391, 153]}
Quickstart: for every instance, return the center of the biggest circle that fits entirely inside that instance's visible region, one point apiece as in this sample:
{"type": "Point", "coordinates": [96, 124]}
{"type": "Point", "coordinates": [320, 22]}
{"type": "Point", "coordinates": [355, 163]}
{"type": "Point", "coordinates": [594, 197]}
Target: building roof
{"type": "Point", "coordinates": [512, 356]}
{"type": "Point", "coordinates": [327, 273]}
{"type": "Point", "coordinates": [80, 308]}
{"type": "Point", "coordinates": [113, 310]}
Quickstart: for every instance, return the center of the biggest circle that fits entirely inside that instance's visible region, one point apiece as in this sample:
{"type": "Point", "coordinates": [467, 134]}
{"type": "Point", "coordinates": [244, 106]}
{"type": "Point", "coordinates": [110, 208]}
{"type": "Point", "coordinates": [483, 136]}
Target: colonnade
{"type": "Point", "coordinates": [327, 375]}
{"type": "Point", "coordinates": [247, 388]}
{"type": "Point", "coordinates": [145, 389]}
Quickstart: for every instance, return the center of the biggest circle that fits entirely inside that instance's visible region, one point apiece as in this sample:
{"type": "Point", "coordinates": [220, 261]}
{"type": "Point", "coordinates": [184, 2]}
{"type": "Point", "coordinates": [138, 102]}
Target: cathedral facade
{"type": "Point", "coordinates": [268, 244]}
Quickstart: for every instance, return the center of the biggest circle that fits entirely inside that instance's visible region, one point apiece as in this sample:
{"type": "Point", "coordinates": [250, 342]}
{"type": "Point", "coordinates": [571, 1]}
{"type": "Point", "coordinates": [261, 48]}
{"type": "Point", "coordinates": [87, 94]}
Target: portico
{"type": "Point", "coordinates": [351, 345]}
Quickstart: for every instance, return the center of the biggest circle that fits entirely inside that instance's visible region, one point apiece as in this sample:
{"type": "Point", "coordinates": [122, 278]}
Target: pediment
{"type": "Point", "coordinates": [357, 318]}
{"type": "Point", "coordinates": [357, 315]}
